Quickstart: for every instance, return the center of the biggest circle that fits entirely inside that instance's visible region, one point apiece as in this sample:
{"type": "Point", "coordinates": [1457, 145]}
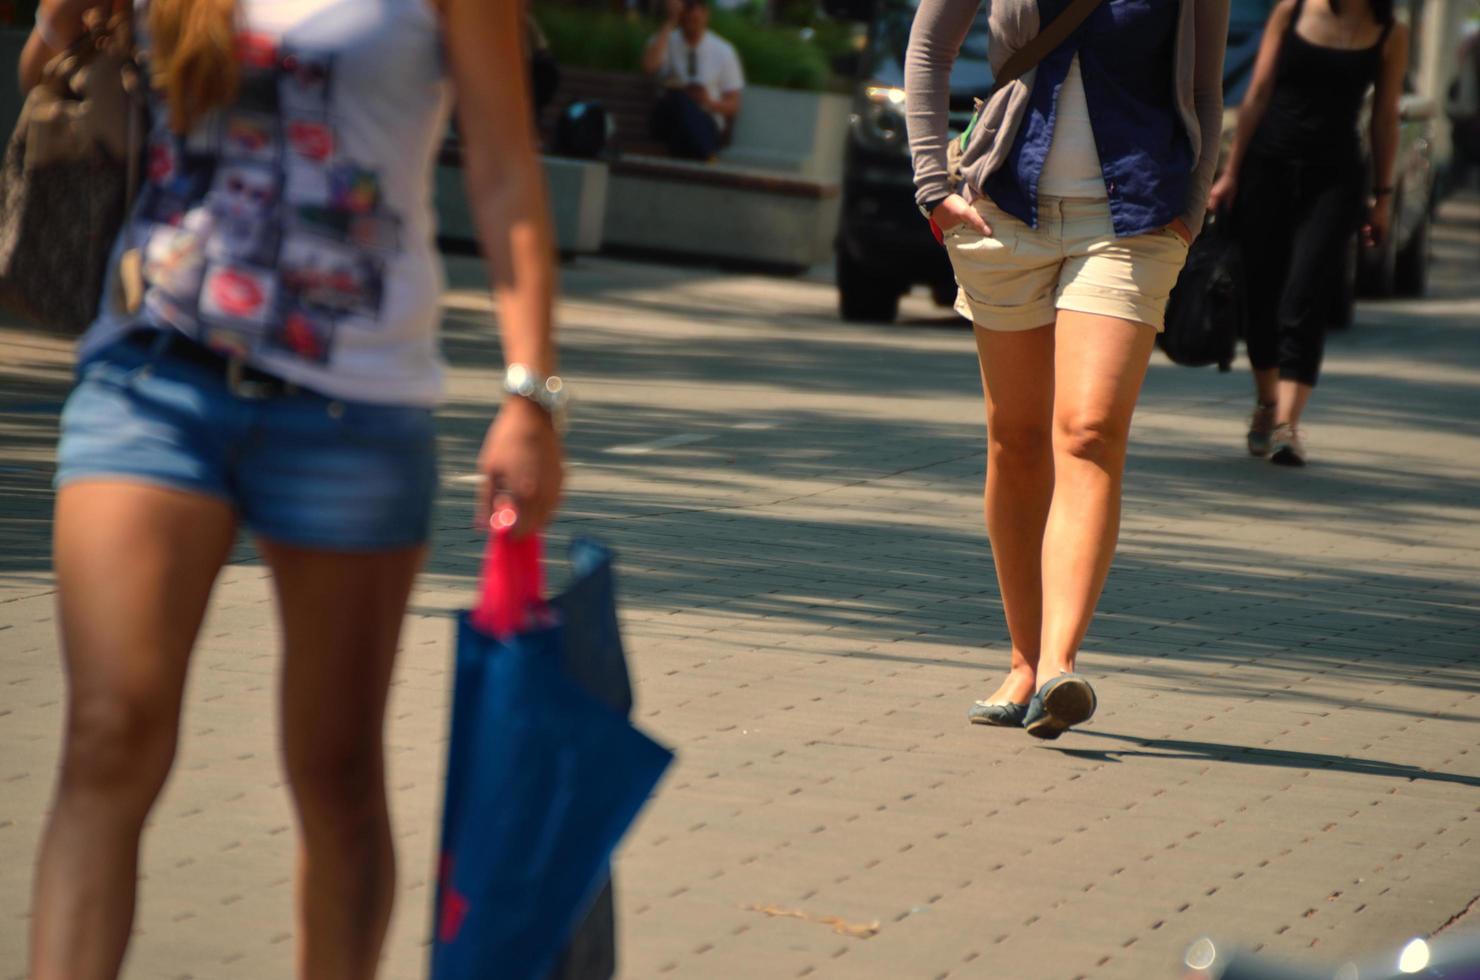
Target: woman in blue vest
{"type": "Point", "coordinates": [1294, 182]}
{"type": "Point", "coordinates": [1083, 183]}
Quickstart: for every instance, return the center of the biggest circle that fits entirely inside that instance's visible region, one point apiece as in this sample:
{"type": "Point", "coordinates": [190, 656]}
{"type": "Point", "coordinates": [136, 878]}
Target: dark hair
{"type": "Point", "coordinates": [1382, 10]}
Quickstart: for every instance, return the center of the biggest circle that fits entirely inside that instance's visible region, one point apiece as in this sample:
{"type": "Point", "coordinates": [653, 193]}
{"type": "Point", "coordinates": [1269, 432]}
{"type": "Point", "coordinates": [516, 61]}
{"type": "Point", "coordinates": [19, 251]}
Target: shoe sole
{"type": "Point", "coordinates": [1286, 458]}
{"type": "Point", "coordinates": [1070, 703]}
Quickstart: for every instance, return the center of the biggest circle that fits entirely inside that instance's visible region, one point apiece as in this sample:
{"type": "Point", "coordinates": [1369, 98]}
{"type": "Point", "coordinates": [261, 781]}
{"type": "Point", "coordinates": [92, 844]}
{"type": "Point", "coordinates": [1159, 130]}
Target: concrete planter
{"type": "Point", "coordinates": [772, 199]}
{"type": "Point", "coordinates": [801, 133]}
{"type": "Point", "coordinates": [751, 216]}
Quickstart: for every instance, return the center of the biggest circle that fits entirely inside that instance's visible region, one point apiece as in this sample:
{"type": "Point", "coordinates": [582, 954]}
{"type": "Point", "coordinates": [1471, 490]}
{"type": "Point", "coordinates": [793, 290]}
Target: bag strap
{"type": "Point", "coordinates": [1026, 58]}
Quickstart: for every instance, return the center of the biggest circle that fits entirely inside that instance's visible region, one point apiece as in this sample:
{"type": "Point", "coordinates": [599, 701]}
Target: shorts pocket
{"type": "Point", "coordinates": [115, 366]}
{"type": "Point", "coordinates": [970, 245]}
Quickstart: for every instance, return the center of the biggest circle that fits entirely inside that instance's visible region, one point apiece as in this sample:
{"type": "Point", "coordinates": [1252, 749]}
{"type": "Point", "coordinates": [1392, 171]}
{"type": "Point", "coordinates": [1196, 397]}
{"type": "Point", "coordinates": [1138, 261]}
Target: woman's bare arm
{"type": "Point", "coordinates": [1385, 105]}
{"type": "Point", "coordinates": [507, 196]}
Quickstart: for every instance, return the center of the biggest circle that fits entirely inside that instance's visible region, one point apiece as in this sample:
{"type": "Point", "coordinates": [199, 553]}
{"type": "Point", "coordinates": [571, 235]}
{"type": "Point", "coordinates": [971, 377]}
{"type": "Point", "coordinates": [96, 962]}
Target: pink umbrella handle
{"type": "Point", "coordinates": [513, 585]}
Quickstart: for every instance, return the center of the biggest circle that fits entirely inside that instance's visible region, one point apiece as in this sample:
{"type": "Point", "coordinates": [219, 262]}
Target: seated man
{"type": "Point", "coordinates": [704, 79]}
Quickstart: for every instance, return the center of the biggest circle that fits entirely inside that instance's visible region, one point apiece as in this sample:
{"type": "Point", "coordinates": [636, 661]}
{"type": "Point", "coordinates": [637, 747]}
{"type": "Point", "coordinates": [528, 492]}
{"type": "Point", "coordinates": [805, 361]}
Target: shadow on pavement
{"type": "Point", "coordinates": [1171, 748]}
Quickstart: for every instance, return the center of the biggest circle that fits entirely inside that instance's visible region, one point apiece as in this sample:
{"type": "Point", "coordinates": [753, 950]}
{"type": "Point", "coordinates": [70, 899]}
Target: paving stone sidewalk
{"type": "Point", "coordinates": [1288, 661]}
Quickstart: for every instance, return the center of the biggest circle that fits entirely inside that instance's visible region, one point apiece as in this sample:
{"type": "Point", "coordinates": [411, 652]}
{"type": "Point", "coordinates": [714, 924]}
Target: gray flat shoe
{"type": "Point", "coordinates": [1062, 703]}
{"type": "Point", "coordinates": [1006, 715]}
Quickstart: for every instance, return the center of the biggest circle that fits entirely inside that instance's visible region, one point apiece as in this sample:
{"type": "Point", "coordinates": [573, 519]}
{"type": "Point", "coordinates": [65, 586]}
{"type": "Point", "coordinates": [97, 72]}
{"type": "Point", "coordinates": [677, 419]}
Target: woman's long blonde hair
{"type": "Point", "coordinates": [193, 56]}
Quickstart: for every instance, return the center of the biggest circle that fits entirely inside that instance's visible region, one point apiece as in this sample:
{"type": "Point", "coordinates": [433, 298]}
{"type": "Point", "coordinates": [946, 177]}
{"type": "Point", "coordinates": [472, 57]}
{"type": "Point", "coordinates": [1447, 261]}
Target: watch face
{"type": "Point", "coordinates": [517, 378]}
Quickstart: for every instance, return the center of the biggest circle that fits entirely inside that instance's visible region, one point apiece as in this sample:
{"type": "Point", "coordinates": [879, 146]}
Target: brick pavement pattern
{"type": "Point", "coordinates": [1285, 756]}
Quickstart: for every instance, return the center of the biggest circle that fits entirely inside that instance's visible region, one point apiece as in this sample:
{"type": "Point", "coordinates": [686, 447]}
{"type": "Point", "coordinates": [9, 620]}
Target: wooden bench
{"type": "Point", "coordinates": [628, 97]}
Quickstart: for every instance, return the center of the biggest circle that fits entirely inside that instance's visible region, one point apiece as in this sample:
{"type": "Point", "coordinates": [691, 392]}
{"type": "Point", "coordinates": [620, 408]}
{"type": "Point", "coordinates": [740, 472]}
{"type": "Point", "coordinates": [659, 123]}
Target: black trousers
{"type": "Point", "coordinates": [1293, 220]}
{"type": "Point", "coordinates": [689, 132]}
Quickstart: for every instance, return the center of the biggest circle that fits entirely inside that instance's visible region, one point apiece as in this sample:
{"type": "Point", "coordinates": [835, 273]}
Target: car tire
{"type": "Point", "coordinates": [864, 296]}
{"type": "Point", "coordinates": [1411, 272]}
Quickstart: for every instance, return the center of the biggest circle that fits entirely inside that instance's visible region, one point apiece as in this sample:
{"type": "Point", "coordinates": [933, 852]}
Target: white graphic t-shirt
{"type": "Point", "coordinates": [295, 228]}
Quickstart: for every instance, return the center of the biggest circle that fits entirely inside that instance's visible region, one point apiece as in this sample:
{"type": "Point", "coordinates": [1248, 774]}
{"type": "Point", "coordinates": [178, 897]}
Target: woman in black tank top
{"type": "Point", "coordinates": [1295, 189]}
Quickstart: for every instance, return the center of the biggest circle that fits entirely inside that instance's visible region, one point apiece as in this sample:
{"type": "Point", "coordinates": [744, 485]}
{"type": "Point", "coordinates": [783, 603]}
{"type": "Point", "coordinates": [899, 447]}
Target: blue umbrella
{"type": "Point", "coordinates": [544, 771]}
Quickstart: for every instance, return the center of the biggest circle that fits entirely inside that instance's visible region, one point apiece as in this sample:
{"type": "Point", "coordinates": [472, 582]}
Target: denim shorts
{"type": "Point", "coordinates": [300, 469]}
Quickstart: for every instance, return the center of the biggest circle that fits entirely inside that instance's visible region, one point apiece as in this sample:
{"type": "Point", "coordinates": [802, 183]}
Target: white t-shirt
{"type": "Point", "coordinates": [711, 63]}
{"type": "Point", "coordinates": [294, 227]}
{"type": "Point", "coordinates": [1072, 168]}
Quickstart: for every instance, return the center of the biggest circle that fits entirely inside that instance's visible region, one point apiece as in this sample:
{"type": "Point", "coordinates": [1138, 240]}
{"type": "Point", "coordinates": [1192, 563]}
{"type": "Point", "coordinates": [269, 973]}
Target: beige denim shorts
{"type": "Point", "coordinates": [1019, 277]}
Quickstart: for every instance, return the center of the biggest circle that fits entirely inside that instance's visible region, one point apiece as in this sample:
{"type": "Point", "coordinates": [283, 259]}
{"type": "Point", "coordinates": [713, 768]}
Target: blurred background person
{"type": "Point", "coordinates": [704, 80]}
{"type": "Point", "coordinates": [279, 375]}
{"type": "Point", "coordinates": [1295, 184]}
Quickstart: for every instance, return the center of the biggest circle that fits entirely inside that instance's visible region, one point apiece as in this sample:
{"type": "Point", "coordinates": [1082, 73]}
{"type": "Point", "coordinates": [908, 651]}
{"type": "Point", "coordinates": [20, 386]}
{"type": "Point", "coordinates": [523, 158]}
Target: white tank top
{"type": "Point", "coordinates": [295, 228]}
{"type": "Point", "coordinates": [1072, 168]}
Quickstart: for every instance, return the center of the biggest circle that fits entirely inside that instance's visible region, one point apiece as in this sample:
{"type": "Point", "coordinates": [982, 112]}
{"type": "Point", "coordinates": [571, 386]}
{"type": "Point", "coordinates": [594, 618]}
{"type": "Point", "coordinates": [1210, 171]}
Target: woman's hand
{"type": "Point", "coordinates": [1225, 189]}
{"type": "Point", "coordinates": [521, 459]}
{"type": "Point", "coordinates": [954, 211]}
{"type": "Point", "coordinates": [1379, 222]}
{"type": "Point", "coordinates": [58, 24]}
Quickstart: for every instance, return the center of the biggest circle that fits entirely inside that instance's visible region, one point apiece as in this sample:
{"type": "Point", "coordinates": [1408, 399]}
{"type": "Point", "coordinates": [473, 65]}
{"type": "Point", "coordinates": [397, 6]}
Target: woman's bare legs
{"type": "Point", "coordinates": [135, 565]}
{"type": "Point", "coordinates": [1018, 379]}
{"type": "Point", "coordinates": [1266, 385]}
{"type": "Point", "coordinates": [1290, 403]}
{"type": "Point", "coordinates": [1099, 364]}
{"type": "Point", "coordinates": [342, 617]}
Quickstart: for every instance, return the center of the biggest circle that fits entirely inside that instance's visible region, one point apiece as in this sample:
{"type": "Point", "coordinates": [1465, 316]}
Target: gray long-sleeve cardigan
{"type": "Point", "coordinates": [940, 27]}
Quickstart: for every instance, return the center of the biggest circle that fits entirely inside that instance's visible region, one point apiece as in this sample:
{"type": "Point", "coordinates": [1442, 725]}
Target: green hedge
{"type": "Point", "coordinates": [775, 56]}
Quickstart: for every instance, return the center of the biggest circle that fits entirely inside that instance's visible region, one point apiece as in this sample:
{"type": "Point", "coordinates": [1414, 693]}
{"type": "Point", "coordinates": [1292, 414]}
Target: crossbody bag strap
{"type": "Point", "coordinates": [1026, 58]}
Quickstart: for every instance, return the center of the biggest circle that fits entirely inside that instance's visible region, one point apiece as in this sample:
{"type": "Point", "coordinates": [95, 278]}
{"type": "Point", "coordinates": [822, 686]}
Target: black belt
{"type": "Point", "coordinates": [242, 380]}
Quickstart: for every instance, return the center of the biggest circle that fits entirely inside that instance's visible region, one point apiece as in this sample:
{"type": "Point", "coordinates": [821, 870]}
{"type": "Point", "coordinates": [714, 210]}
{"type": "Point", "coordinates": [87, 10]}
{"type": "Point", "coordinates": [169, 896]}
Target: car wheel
{"type": "Point", "coordinates": [864, 295]}
{"type": "Point", "coordinates": [1411, 275]}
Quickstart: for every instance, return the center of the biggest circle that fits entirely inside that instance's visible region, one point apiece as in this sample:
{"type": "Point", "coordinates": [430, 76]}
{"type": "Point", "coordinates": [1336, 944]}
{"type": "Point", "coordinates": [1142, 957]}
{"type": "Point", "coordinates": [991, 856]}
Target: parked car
{"type": "Point", "coordinates": [884, 249]}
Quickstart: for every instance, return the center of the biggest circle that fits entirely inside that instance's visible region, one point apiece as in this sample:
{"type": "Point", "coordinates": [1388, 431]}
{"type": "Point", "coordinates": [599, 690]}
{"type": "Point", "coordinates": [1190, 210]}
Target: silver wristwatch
{"type": "Point", "coordinates": [548, 393]}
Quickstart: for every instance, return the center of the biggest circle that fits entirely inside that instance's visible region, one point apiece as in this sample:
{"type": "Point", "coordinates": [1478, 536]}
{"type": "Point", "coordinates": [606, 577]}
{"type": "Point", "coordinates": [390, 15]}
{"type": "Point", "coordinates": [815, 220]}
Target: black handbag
{"type": "Point", "coordinates": [1208, 310]}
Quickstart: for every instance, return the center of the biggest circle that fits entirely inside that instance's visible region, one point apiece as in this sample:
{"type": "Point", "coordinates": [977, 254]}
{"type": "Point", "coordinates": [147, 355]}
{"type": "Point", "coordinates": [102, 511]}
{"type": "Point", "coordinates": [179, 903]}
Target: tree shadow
{"type": "Point", "coordinates": [866, 561]}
